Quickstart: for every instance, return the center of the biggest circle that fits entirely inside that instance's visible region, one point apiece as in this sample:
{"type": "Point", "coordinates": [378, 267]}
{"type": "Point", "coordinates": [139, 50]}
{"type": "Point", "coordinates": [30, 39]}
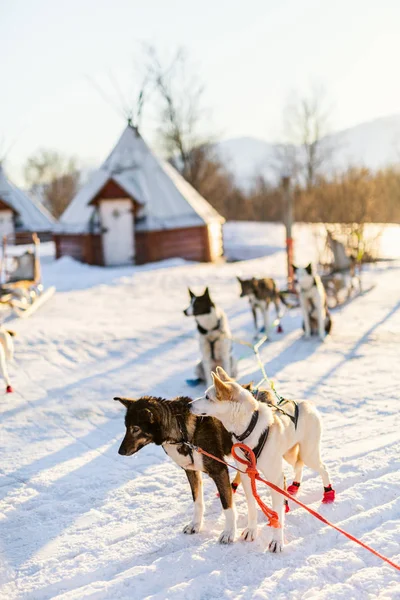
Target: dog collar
{"type": "Point", "coordinates": [249, 430]}
{"type": "Point", "coordinates": [205, 331]}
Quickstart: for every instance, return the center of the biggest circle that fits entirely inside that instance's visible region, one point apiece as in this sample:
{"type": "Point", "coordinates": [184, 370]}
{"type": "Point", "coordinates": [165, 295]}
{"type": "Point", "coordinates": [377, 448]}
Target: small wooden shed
{"type": "Point", "coordinates": [138, 209]}
{"type": "Point", "coordinates": [21, 214]}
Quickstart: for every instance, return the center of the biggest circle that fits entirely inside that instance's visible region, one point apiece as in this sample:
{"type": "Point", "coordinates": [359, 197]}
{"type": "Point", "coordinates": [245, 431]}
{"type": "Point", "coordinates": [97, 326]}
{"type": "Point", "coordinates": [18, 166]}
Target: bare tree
{"type": "Point", "coordinates": [286, 162]}
{"type": "Point", "coordinates": [53, 177]}
{"type": "Point", "coordinates": [306, 124]}
{"type": "Point", "coordinates": [182, 117]}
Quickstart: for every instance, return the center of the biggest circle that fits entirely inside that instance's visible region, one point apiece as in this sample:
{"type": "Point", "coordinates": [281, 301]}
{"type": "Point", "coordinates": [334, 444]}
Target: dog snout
{"type": "Point", "coordinates": [122, 450]}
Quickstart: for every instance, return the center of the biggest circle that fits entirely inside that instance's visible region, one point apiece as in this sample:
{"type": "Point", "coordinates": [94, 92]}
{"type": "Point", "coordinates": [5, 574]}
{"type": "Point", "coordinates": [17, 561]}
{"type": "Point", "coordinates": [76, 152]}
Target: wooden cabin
{"type": "Point", "coordinates": [137, 209]}
{"type": "Point", "coordinates": [21, 214]}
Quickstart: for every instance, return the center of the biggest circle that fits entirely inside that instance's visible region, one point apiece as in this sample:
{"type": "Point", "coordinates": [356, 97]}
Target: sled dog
{"type": "Point", "coordinates": [6, 354]}
{"type": "Point", "coordinates": [313, 302]}
{"type": "Point", "coordinates": [214, 336]}
{"type": "Point", "coordinates": [272, 436]}
{"type": "Point", "coordinates": [261, 292]}
{"type": "Point", "coordinates": [168, 423]}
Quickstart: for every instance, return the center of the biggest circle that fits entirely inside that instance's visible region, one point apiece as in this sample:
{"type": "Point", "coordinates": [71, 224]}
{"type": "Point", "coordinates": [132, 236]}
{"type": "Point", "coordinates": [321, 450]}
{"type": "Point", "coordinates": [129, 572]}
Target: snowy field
{"type": "Point", "coordinates": [79, 521]}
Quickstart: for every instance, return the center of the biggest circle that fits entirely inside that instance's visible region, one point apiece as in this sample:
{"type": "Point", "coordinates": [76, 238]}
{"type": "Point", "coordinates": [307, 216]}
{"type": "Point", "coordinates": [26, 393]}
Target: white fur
{"type": "Point", "coordinates": [311, 291]}
{"type": "Point", "coordinates": [198, 512]}
{"type": "Point", "coordinates": [184, 461]}
{"type": "Point", "coordinates": [222, 346]}
{"type": "Point", "coordinates": [234, 408]}
{"type": "Point", "coordinates": [229, 532]}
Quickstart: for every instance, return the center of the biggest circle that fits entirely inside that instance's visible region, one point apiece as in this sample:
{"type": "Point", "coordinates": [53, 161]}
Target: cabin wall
{"type": "Point", "coordinates": [191, 243]}
{"type": "Point", "coordinates": [85, 248]}
{"type": "Point", "coordinates": [202, 244]}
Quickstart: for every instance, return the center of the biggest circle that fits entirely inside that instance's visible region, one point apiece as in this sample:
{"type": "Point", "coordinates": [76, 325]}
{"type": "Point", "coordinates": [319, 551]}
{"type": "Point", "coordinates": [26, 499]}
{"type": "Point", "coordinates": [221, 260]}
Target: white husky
{"type": "Point", "coordinates": [316, 317]}
{"type": "Point", "coordinates": [260, 425]}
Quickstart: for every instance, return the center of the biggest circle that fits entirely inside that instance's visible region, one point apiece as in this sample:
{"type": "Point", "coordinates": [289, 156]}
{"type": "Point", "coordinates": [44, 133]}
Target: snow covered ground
{"type": "Point", "coordinates": [78, 521]}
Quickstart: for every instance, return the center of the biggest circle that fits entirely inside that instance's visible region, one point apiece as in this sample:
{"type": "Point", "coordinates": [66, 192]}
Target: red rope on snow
{"type": "Point", "coordinates": [251, 470]}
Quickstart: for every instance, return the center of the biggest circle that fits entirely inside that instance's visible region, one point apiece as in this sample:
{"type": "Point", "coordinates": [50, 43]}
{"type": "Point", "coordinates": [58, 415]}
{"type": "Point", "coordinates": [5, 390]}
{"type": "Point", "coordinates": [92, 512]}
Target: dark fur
{"type": "Point", "coordinates": [158, 422]}
{"type": "Point", "coordinates": [202, 304]}
{"type": "Point", "coordinates": [262, 290]}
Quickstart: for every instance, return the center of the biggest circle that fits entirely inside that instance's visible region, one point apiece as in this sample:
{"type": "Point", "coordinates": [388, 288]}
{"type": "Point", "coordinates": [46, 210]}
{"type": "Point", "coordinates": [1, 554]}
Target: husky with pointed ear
{"type": "Point", "coordinates": [272, 436]}
{"type": "Point", "coordinates": [169, 423]}
{"type": "Point", "coordinates": [316, 317]}
{"type": "Point", "coordinates": [214, 336]}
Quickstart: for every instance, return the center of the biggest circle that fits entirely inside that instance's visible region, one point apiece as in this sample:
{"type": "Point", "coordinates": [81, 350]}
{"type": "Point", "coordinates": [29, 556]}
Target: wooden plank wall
{"type": "Point", "coordinates": [191, 243]}
{"type": "Point", "coordinates": [86, 248]}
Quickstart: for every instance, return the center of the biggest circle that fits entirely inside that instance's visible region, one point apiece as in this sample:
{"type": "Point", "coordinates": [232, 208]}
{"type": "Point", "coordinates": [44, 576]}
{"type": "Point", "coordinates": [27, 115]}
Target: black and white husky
{"type": "Point", "coordinates": [214, 336]}
{"type": "Point", "coordinates": [316, 317]}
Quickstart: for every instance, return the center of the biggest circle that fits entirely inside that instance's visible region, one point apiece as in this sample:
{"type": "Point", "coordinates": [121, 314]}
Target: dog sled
{"type": "Point", "coordinates": [21, 288]}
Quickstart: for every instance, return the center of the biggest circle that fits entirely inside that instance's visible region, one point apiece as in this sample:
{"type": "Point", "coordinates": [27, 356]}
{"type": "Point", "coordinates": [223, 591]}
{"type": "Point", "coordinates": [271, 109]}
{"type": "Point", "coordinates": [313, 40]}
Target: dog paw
{"type": "Point", "coordinates": [275, 546]}
{"type": "Point", "coordinates": [249, 534]}
{"type": "Point", "coordinates": [227, 537]}
{"type": "Point", "coordinates": [192, 528]}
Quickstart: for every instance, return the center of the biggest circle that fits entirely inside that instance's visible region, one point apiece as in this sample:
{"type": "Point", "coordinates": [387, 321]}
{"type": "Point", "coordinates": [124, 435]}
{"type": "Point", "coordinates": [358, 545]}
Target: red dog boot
{"type": "Point", "coordinates": [234, 486]}
{"type": "Point", "coordinates": [294, 488]}
{"type": "Point", "coordinates": [287, 509]}
{"type": "Point", "coordinates": [279, 329]}
{"type": "Point", "coordinates": [9, 389]}
{"type": "Point", "coordinates": [329, 495]}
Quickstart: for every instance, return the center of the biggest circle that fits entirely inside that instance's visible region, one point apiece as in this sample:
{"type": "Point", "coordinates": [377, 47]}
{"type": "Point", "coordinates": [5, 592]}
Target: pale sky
{"type": "Point", "coordinates": [251, 54]}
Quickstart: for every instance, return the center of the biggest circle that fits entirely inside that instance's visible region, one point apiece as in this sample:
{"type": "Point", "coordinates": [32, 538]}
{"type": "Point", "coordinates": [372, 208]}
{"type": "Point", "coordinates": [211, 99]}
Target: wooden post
{"type": "Point", "coordinates": [288, 220]}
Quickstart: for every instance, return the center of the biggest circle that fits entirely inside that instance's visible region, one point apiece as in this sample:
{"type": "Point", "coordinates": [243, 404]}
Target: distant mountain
{"type": "Point", "coordinates": [374, 144]}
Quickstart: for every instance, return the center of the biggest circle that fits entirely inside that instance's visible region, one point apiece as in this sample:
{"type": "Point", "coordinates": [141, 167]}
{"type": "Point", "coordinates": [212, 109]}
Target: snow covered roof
{"type": "Point", "coordinates": [167, 200]}
{"type": "Point", "coordinates": [33, 216]}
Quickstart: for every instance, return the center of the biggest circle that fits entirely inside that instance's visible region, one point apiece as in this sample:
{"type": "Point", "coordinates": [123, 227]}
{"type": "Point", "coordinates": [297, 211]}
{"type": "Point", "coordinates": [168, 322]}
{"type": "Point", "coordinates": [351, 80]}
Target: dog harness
{"type": "Point", "coordinates": [263, 437]}
{"type": "Point", "coordinates": [185, 448]}
{"type": "Point", "coordinates": [203, 331]}
{"type": "Point", "coordinates": [282, 401]}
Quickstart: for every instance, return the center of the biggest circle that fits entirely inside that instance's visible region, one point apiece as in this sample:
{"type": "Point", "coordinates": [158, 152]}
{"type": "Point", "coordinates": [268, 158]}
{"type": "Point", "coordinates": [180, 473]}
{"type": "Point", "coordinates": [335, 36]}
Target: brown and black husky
{"type": "Point", "coordinates": [261, 292]}
{"type": "Point", "coordinates": [167, 423]}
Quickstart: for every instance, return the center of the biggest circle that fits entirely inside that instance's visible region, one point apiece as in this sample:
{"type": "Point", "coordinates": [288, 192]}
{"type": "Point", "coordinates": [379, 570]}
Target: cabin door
{"type": "Point", "coordinates": [117, 221]}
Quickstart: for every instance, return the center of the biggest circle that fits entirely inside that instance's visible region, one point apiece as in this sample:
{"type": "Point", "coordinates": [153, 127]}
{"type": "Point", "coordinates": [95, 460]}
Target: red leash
{"type": "Point", "coordinates": [271, 515]}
